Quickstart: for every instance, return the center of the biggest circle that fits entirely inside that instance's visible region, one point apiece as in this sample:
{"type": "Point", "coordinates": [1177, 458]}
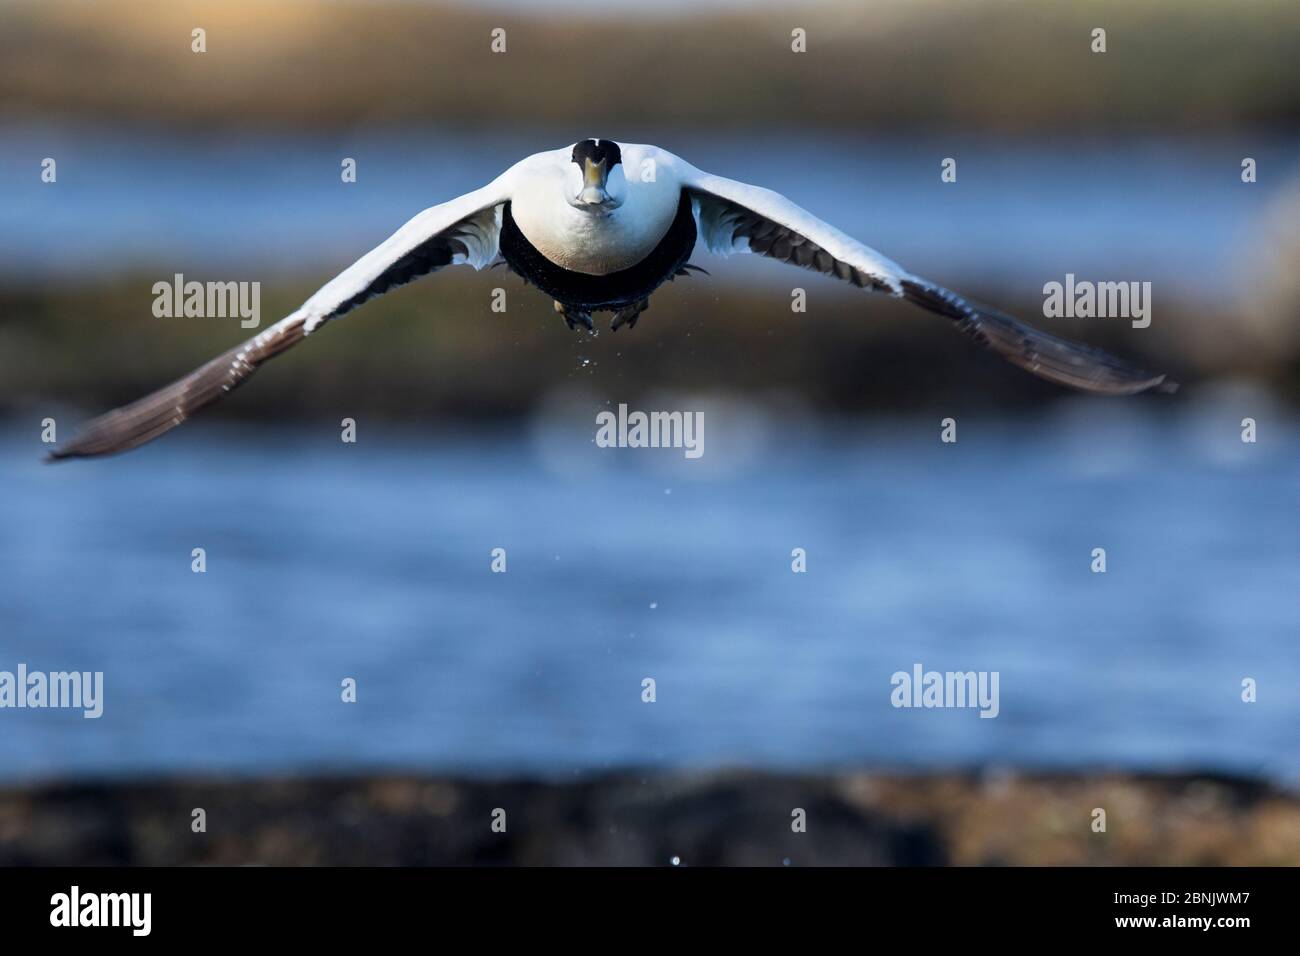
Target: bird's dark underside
{"type": "Point", "coordinates": [625, 292]}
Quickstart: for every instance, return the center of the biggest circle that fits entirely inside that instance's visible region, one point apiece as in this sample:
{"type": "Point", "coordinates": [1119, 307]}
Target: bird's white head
{"type": "Point", "coordinates": [594, 181]}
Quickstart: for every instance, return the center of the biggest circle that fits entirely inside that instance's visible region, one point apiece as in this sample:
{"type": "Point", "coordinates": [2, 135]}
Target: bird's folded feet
{"type": "Point", "coordinates": [628, 315]}
{"type": "Point", "coordinates": [574, 317]}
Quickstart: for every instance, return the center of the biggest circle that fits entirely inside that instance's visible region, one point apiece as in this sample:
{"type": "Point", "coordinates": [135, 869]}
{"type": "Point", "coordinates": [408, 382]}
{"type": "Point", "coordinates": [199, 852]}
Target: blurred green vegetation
{"type": "Point", "coordinates": [989, 64]}
{"type": "Point", "coordinates": [435, 348]}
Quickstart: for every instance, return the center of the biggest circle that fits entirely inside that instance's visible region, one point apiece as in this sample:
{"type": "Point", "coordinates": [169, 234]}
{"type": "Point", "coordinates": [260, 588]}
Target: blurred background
{"type": "Point", "coordinates": [475, 431]}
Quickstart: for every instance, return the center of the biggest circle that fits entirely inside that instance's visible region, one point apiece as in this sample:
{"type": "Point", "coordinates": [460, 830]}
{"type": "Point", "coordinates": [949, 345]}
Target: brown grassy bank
{"type": "Point", "coordinates": [647, 819]}
{"type": "Point", "coordinates": [992, 64]}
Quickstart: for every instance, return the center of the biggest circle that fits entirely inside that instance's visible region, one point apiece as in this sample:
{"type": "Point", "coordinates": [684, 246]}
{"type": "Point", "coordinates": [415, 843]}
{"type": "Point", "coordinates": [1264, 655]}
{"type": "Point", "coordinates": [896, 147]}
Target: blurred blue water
{"type": "Point", "coordinates": [228, 206]}
{"type": "Point", "coordinates": [371, 561]}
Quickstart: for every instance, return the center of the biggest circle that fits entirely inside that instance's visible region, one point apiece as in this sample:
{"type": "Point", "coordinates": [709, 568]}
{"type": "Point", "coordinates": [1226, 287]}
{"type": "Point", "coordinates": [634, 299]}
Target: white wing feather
{"type": "Point", "coordinates": [478, 214]}
{"type": "Point", "coordinates": [464, 230]}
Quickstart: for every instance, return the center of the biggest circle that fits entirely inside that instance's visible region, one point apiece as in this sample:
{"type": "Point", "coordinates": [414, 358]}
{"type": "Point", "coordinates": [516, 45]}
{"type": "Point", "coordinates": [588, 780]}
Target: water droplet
{"type": "Point", "coordinates": [677, 861]}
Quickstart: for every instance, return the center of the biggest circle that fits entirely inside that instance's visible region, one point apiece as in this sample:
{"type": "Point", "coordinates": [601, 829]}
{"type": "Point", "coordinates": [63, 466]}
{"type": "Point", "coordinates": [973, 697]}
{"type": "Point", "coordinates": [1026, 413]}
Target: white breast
{"type": "Point", "coordinates": [595, 244]}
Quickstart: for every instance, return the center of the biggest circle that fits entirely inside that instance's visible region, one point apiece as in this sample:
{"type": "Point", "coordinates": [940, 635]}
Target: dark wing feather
{"type": "Point", "coordinates": [144, 420]}
{"type": "Point", "coordinates": [1055, 359]}
{"type": "Point", "coordinates": [736, 217]}
{"type": "Point", "coordinates": [766, 237]}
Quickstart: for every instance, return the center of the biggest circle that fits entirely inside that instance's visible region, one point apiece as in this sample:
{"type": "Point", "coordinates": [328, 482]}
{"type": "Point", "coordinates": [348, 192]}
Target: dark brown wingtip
{"type": "Point", "coordinates": [1156, 385]}
{"type": "Point", "coordinates": [1073, 364]}
{"type": "Point", "coordinates": [66, 452]}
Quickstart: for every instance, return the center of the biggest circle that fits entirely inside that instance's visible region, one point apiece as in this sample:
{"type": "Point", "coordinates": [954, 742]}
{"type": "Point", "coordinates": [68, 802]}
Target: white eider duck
{"type": "Point", "coordinates": [598, 226]}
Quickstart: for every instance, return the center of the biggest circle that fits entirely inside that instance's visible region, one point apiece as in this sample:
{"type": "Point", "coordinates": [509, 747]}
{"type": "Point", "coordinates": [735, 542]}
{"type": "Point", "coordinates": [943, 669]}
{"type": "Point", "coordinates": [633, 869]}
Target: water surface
{"type": "Point", "coordinates": [245, 206]}
{"type": "Point", "coordinates": [371, 561]}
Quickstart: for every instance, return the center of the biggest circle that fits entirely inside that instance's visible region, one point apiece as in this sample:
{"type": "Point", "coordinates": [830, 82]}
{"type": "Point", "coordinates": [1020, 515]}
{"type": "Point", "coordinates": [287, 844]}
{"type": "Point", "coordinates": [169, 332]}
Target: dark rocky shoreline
{"type": "Point", "coordinates": [634, 819]}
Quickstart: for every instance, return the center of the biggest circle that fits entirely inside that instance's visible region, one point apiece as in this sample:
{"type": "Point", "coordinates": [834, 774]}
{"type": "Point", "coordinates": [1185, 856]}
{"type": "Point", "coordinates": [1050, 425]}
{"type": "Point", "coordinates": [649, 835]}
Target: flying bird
{"type": "Point", "coordinates": [598, 226]}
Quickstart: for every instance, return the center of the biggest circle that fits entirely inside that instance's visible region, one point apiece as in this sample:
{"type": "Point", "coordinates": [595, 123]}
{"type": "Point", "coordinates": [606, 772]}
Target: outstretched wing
{"type": "Point", "coordinates": [734, 217]}
{"type": "Point", "coordinates": [465, 230]}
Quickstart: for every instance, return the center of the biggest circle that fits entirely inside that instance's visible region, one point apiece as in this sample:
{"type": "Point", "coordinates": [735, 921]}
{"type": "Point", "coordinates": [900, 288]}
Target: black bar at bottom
{"type": "Point", "coordinates": [213, 905]}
